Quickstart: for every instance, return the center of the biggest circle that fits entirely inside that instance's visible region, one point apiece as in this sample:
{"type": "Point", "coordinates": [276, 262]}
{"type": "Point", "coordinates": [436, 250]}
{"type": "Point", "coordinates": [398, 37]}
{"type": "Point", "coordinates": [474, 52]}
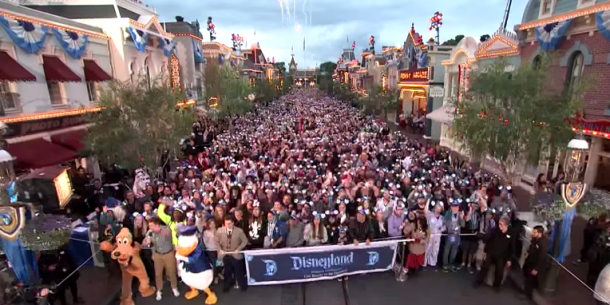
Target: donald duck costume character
{"type": "Point", "coordinates": [195, 270]}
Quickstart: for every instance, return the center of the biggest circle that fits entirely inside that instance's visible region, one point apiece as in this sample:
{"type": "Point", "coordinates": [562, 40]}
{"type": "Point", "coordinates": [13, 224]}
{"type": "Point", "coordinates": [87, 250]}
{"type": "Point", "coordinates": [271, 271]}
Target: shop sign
{"type": "Point", "coordinates": [592, 126]}
{"type": "Point", "coordinates": [45, 125]}
{"type": "Point", "coordinates": [436, 91]}
{"type": "Point", "coordinates": [416, 75]}
{"type": "Point", "coordinates": [174, 70]}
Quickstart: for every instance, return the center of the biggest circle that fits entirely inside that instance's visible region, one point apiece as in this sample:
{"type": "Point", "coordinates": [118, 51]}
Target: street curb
{"type": "Point", "coordinates": [517, 281]}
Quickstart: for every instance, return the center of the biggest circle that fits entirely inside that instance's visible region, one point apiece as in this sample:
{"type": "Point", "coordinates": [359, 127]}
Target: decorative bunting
{"type": "Point", "coordinates": [73, 43]}
{"type": "Point", "coordinates": [197, 50]}
{"type": "Point", "coordinates": [140, 39]}
{"type": "Point", "coordinates": [28, 36]}
{"type": "Point", "coordinates": [422, 59]}
{"type": "Point", "coordinates": [603, 23]}
{"type": "Point", "coordinates": [167, 45]}
{"type": "Point", "coordinates": [550, 35]}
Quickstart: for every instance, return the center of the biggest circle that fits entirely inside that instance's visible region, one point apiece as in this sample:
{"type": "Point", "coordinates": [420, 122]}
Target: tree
{"type": "Point", "coordinates": [137, 124]}
{"type": "Point", "coordinates": [281, 66]}
{"type": "Point", "coordinates": [453, 41]}
{"type": "Point", "coordinates": [234, 90]}
{"type": "Point", "coordinates": [515, 116]}
{"type": "Point", "coordinates": [225, 84]}
{"type": "Point", "coordinates": [287, 84]}
{"type": "Point", "coordinates": [328, 68]}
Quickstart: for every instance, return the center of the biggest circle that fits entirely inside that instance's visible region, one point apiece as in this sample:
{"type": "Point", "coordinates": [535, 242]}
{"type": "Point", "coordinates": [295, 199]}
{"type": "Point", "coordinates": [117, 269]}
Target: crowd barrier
{"type": "Point", "coordinates": [297, 265]}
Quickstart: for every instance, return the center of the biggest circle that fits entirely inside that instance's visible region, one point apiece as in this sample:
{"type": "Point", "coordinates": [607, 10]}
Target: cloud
{"type": "Point", "coordinates": [335, 24]}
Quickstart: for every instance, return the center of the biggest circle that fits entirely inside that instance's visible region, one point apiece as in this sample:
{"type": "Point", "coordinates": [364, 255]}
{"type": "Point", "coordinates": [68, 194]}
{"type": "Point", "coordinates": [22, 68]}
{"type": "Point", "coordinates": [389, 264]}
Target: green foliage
{"type": "Point", "coordinates": [516, 115]}
{"type": "Point", "coordinates": [379, 100]}
{"type": "Point", "coordinates": [287, 84]}
{"type": "Point", "coordinates": [234, 91]}
{"type": "Point", "coordinates": [281, 66]}
{"type": "Point", "coordinates": [137, 123]}
{"type": "Point", "coordinates": [328, 68]}
{"type": "Point", "coordinates": [267, 91]}
{"type": "Point", "coordinates": [453, 41]}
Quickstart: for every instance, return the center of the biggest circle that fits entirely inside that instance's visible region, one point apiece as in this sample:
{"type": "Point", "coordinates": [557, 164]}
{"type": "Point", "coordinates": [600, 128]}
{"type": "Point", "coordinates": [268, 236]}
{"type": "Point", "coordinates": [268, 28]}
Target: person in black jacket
{"type": "Point", "coordinates": [499, 252]}
{"type": "Point", "coordinates": [535, 261]}
{"type": "Point", "coordinates": [360, 229]}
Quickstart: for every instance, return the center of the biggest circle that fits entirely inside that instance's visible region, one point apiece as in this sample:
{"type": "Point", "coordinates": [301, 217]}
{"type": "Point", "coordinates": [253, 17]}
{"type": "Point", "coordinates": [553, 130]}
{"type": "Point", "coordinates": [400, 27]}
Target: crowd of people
{"type": "Point", "coordinates": [308, 170]}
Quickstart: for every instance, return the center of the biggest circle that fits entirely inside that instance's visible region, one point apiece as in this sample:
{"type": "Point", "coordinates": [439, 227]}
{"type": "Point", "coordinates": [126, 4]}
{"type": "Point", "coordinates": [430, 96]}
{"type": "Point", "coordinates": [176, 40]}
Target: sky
{"type": "Point", "coordinates": [328, 26]}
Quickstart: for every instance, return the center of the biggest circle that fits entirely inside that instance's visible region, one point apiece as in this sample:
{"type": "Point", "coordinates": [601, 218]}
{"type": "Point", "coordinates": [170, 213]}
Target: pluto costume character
{"type": "Point", "coordinates": [195, 270]}
{"type": "Point", "coordinates": [128, 257]}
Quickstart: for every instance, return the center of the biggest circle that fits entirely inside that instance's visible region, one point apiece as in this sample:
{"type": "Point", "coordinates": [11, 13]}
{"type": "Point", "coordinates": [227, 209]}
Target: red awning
{"type": "Point", "coordinates": [12, 71]}
{"type": "Point", "coordinates": [56, 71]}
{"type": "Point", "coordinates": [72, 140]}
{"type": "Point", "coordinates": [95, 73]}
{"type": "Point", "coordinates": [39, 153]}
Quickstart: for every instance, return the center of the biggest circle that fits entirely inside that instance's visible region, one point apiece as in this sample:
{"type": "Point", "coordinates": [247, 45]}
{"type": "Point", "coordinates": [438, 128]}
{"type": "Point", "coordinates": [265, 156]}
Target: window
{"type": "Point", "coordinates": [147, 71]}
{"type": "Point", "coordinates": [9, 99]}
{"type": "Point", "coordinates": [92, 91]}
{"type": "Point", "coordinates": [576, 67]}
{"type": "Point", "coordinates": [55, 93]}
{"type": "Point", "coordinates": [546, 6]}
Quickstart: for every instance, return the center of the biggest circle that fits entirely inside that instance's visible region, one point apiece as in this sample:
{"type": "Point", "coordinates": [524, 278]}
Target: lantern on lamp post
{"type": "Point", "coordinates": [572, 193]}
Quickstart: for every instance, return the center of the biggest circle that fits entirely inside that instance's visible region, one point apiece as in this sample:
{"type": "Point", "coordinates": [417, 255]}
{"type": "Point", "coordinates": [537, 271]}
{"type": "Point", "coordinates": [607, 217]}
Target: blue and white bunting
{"type": "Point", "coordinates": [198, 53]}
{"type": "Point", "coordinates": [167, 45]}
{"type": "Point", "coordinates": [603, 23]}
{"type": "Point", "coordinates": [422, 59]}
{"type": "Point", "coordinates": [30, 37]}
{"type": "Point", "coordinates": [73, 43]}
{"type": "Point", "coordinates": [140, 39]}
{"type": "Point", "coordinates": [549, 36]}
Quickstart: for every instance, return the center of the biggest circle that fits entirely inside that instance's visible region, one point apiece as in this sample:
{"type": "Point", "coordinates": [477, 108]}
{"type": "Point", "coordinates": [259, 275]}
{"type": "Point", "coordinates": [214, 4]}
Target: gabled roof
{"type": "Point", "coordinates": [292, 62]}
{"type": "Point", "coordinates": [150, 23]}
{"type": "Point", "coordinates": [502, 43]}
{"type": "Point", "coordinates": [348, 54]}
{"type": "Point", "coordinates": [415, 38]}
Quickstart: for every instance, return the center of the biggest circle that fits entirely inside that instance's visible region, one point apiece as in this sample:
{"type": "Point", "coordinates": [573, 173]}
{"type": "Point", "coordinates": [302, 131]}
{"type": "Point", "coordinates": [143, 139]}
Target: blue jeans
{"type": "Point", "coordinates": [452, 243]}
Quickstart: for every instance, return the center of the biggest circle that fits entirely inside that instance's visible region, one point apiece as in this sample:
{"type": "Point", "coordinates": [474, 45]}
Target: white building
{"type": "Point", "coordinates": [50, 72]}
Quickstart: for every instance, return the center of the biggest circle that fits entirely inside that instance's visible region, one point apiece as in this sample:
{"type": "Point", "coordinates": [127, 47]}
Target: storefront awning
{"type": "Point", "coordinates": [95, 73]}
{"type": "Point", "coordinates": [12, 71]}
{"type": "Point", "coordinates": [39, 153]}
{"type": "Point", "coordinates": [444, 114]}
{"type": "Point", "coordinates": [72, 140]}
{"type": "Point", "coordinates": [56, 71]}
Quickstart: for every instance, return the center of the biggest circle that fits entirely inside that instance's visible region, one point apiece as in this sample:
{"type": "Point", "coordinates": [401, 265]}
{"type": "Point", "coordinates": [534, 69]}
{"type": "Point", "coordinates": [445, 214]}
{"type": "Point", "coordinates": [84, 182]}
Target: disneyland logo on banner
{"type": "Point", "coordinates": [295, 265]}
{"type": "Point", "coordinates": [324, 262]}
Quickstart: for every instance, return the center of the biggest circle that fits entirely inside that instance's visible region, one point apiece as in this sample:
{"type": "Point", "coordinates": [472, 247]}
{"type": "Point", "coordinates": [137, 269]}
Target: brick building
{"type": "Point", "coordinates": [573, 30]}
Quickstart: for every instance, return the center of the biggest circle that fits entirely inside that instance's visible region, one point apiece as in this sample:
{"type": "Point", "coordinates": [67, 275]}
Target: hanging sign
{"type": "Point", "coordinates": [416, 75]}
{"type": "Point", "coordinates": [436, 91]}
{"type": "Point", "coordinates": [174, 70]}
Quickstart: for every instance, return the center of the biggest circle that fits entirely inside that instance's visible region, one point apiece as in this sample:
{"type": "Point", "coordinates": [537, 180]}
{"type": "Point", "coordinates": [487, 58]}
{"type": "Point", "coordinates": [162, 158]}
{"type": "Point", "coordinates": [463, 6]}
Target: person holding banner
{"type": "Point", "coordinates": [233, 240]}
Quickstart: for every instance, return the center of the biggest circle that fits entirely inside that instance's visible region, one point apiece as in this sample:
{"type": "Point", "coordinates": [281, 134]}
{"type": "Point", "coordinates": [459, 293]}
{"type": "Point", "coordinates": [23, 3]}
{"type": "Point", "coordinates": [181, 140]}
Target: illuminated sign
{"type": "Point", "coordinates": [63, 186]}
{"type": "Point", "coordinates": [416, 75]}
{"type": "Point", "coordinates": [174, 70]}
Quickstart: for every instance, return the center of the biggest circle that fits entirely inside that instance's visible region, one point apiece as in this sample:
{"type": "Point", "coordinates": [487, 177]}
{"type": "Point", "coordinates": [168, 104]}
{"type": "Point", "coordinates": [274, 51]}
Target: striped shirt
{"type": "Point", "coordinates": [162, 241]}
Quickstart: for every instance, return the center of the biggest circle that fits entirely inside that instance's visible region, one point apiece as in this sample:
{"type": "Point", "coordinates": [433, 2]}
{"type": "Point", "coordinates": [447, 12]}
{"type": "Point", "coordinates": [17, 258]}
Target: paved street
{"type": "Point", "coordinates": [429, 288]}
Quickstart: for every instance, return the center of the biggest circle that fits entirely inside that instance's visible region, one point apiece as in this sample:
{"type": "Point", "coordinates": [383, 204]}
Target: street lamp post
{"type": "Point", "coordinates": [571, 194]}
{"type": "Point", "coordinates": [435, 24]}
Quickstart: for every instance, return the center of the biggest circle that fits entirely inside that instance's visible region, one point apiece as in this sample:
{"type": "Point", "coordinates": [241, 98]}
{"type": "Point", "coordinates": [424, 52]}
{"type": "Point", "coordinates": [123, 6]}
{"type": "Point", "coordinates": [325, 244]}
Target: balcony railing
{"type": "Point", "coordinates": [9, 102]}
